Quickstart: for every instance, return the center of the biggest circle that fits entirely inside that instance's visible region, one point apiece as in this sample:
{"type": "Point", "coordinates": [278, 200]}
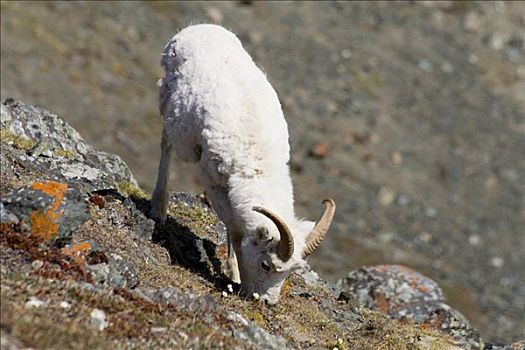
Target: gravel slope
{"type": "Point", "coordinates": [411, 115]}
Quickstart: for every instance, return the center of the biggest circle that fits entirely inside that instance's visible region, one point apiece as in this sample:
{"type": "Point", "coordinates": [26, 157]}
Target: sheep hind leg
{"type": "Point", "coordinates": [159, 199]}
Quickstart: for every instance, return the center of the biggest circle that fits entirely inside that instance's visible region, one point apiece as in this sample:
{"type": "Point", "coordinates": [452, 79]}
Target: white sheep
{"type": "Point", "coordinates": [220, 111]}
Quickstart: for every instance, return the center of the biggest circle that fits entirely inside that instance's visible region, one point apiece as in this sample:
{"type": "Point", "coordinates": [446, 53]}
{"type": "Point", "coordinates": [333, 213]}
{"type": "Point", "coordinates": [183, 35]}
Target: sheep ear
{"type": "Point", "coordinates": [262, 235]}
{"type": "Point", "coordinates": [286, 246]}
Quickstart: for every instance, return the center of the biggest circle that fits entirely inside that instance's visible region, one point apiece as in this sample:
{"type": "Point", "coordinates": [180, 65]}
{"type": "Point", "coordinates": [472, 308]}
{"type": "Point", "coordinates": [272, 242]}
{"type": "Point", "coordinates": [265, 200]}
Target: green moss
{"type": "Point", "coordinates": [194, 217]}
{"type": "Point", "coordinates": [131, 190]}
{"type": "Point", "coordinates": [256, 316]}
{"type": "Point", "coordinates": [17, 141]}
{"type": "Point", "coordinates": [64, 153]}
{"type": "Point", "coordinates": [339, 344]}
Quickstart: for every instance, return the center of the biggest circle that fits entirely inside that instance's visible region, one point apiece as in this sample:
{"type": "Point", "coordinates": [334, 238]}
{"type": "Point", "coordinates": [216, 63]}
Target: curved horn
{"type": "Point", "coordinates": [321, 228]}
{"type": "Point", "coordinates": [285, 248]}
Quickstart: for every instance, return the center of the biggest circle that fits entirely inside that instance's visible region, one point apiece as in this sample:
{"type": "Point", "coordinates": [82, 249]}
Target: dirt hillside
{"type": "Point", "coordinates": [411, 115]}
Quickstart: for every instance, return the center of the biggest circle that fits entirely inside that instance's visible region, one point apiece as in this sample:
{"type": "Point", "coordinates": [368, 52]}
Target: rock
{"type": "Point", "coordinates": [386, 196]}
{"type": "Point", "coordinates": [520, 72]}
{"type": "Point", "coordinates": [346, 53]}
{"type": "Point", "coordinates": [425, 65]}
{"type": "Point", "coordinates": [519, 345]}
{"type": "Point", "coordinates": [402, 293]}
{"type": "Point", "coordinates": [255, 335]}
{"type": "Point", "coordinates": [58, 152]}
{"type": "Point", "coordinates": [474, 240]}
{"type": "Point", "coordinates": [441, 5]}
{"type": "Point", "coordinates": [309, 276]}
{"type": "Point", "coordinates": [261, 338]}
{"type": "Point", "coordinates": [51, 209]}
{"type": "Point", "coordinates": [255, 37]}
{"type": "Point", "coordinates": [214, 14]}
{"type": "Point", "coordinates": [402, 200]}
{"type": "Point", "coordinates": [6, 216]}
{"type": "Point", "coordinates": [472, 22]}
{"type": "Point", "coordinates": [98, 319]}
{"type": "Point", "coordinates": [34, 302]}
{"type": "Point", "coordinates": [495, 41]}
{"type": "Point", "coordinates": [99, 273]}
{"type": "Point", "coordinates": [396, 158]}
{"type": "Point", "coordinates": [143, 227]}
{"type": "Point", "coordinates": [184, 301]}
{"type": "Point", "coordinates": [158, 329]}
{"type": "Point", "coordinates": [36, 264]}
{"type": "Point", "coordinates": [319, 150]}
{"type": "Point", "coordinates": [9, 341]}
{"type": "Point", "coordinates": [196, 246]}
{"type": "Point", "coordinates": [497, 262]}
{"type": "Point", "coordinates": [121, 272]}
{"type": "Point", "coordinates": [390, 287]}
{"type": "Point", "coordinates": [123, 212]}
{"type": "Point", "coordinates": [205, 306]}
{"type": "Point", "coordinates": [447, 67]}
{"type": "Point", "coordinates": [431, 213]}
{"type": "Point", "coordinates": [117, 272]}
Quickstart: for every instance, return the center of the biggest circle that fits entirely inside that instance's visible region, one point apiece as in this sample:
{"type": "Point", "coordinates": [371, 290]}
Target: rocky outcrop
{"type": "Point", "coordinates": [404, 294]}
{"type": "Point", "coordinates": [84, 267]}
{"type": "Point", "coordinates": [45, 146]}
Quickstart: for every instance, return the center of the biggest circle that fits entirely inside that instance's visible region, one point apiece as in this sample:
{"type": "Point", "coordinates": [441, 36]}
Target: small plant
{"type": "Point", "coordinates": [130, 190]}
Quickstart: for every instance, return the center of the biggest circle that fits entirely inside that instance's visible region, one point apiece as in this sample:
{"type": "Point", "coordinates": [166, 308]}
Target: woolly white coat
{"type": "Point", "coordinates": [220, 111]}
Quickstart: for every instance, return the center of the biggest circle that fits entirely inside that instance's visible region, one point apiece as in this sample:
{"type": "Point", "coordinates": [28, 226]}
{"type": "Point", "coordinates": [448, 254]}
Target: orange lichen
{"type": "Point", "coordinates": [423, 289]}
{"type": "Point", "coordinates": [382, 302]}
{"type": "Point", "coordinates": [45, 224]}
{"type": "Point", "coordinates": [77, 251]}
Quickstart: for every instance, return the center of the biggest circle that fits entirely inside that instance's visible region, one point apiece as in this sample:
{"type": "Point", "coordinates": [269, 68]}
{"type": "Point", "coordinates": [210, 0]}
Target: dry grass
{"type": "Point", "coordinates": [303, 321]}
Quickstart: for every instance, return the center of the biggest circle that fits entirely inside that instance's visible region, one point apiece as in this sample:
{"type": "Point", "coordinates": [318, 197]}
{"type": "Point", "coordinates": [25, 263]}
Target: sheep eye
{"type": "Point", "coordinates": [265, 266]}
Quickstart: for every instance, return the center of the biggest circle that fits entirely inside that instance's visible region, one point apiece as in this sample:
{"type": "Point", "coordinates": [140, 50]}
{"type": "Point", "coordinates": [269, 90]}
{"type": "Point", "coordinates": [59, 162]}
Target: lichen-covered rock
{"type": "Point", "coordinates": [256, 336]}
{"type": "Point", "coordinates": [120, 211]}
{"type": "Point", "coordinates": [403, 293]}
{"type": "Point", "coordinates": [116, 272]}
{"type": "Point", "coordinates": [121, 272]}
{"type": "Point", "coordinates": [52, 210]}
{"type": "Point", "coordinates": [40, 144]}
{"type": "Point", "coordinates": [519, 345]}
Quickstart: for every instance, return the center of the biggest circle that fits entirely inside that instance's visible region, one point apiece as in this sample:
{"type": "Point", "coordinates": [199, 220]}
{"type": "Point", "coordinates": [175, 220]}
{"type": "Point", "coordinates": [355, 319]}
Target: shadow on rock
{"type": "Point", "coordinates": [195, 248]}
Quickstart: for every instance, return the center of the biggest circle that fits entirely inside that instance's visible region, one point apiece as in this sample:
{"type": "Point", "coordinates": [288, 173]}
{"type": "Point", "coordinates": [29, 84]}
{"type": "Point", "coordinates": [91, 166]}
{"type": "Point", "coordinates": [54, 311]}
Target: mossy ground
{"type": "Point", "coordinates": [133, 323]}
{"type": "Point", "coordinates": [304, 321]}
{"type": "Point", "coordinates": [132, 191]}
{"type": "Point", "coordinates": [17, 141]}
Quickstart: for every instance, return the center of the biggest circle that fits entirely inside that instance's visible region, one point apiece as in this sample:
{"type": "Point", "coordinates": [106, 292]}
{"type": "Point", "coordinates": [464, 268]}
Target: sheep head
{"type": "Point", "coordinates": [267, 261]}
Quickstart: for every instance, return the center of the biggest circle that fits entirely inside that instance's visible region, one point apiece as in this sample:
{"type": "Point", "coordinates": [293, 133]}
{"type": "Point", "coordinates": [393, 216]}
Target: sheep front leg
{"type": "Point", "coordinates": [159, 199]}
{"type": "Point", "coordinates": [232, 261]}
